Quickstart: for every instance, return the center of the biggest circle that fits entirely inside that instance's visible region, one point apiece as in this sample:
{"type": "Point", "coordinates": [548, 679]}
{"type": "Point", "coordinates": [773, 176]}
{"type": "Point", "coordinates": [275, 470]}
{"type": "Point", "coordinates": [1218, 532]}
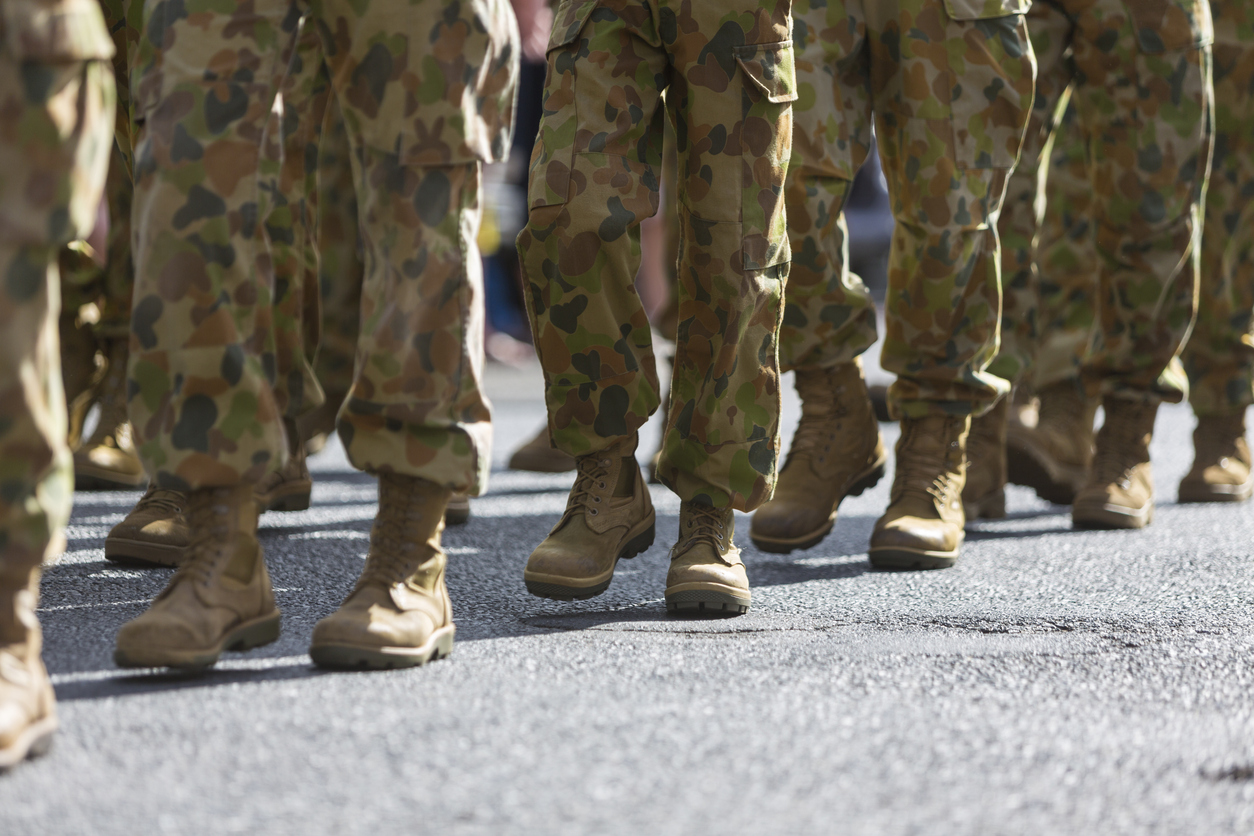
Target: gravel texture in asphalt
{"type": "Point", "coordinates": [1053, 682]}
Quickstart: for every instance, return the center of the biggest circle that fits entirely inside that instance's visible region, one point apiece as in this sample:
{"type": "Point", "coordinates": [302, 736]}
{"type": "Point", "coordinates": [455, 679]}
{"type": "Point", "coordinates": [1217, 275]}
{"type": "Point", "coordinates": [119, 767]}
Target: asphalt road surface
{"type": "Point", "coordinates": [1054, 682]}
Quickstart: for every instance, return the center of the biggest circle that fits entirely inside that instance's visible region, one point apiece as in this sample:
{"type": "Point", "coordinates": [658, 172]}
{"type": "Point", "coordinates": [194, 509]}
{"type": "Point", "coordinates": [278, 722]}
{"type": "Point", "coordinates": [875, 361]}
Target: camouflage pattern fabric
{"type": "Point", "coordinates": [339, 267]}
{"type": "Point", "coordinates": [1143, 94]}
{"type": "Point", "coordinates": [427, 94]}
{"type": "Point", "coordinates": [948, 87]}
{"type": "Point", "coordinates": [1219, 356]}
{"type": "Point", "coordinates": [57, 93]}
{"type": "Point", "coordinates": [727, 71]}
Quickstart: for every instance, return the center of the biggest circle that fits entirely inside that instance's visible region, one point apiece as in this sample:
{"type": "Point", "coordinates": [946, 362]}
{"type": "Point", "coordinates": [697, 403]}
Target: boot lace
{"type": "Point", "coordinates": [393, 555]}
{"type": "Point", "coordinates": [915, 466]}
{"type": "Point", "coordinates": [704, 523]}
{"type": "Point", "coordinates": [814, 437]}
{"type": "Point", "coordinates": [1120, 446]}
{"type": "Point", "coordinates": [208, 519]}
{"type": "Point", "coordinates": [162, 500]}
{"type": "Point", "coordinates": [590, 483]}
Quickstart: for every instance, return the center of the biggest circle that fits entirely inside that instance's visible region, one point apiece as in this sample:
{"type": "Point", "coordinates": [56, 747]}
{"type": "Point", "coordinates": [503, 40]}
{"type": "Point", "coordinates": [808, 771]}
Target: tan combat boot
{"type": "Point", "coordinates": [1221, 462]}
{"type": "Point", "coordinates": [984, 495]}
{"type": "Point", "coordinates": [538, 456]}
{"type": "Point", "coordinates": [288, 488]}
{"type": "Point", "coordinates": [706, 574]}
{"type": "Point", "coordinates": [154, 533]}
{"type": "Point", "coordinates": [220, 598]}
{"type": "Point", "coordinates": [1120, 491]}
{"type": "Point", "coordinates": [836, 452]}
{"type": "Point", "coordinates": [1053, 457]}
{"type": "Point", "coordinates": [922, 528]}
{"type": "Point", "coordinates": [28, 715]}
{"type": "Point", "coordinates": [609, 516]}
{"type": "Point", "coordinates": [398, 615]}
{"type": "Point", "coordinates": [107, 460]}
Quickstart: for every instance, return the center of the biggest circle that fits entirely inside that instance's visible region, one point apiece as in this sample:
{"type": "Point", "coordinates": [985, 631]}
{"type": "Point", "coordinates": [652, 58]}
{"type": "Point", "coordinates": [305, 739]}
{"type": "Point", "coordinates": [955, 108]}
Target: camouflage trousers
{"type": "Point", "coordinates": [58, 102]}
{"type": "Point", "coordinates": [727, 72]}
{"type": "Point", "coordinates": [1140, 80]}
{"type": "Point", "coordinates": [1219, 357]}
{"type": "Point", "coordinates": [946, 158]}
{"type": "Point", "coordinates": [205, 372]}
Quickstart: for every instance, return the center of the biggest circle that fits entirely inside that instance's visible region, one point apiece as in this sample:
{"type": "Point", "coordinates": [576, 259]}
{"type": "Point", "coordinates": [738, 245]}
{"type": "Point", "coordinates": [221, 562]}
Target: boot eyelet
{"type": "Point", "coordinates": [602, 485]}
{"type": "Point", "coordinates": [593, 512]}
{"type": "Point", "coordinates": [596, 499]}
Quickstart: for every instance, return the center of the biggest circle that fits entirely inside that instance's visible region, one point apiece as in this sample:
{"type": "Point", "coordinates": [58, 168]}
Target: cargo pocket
{"type": "Point", "coordinates": [770, 86]}
{"type": "Point", "coordinates": [548, 179]}
{"type": "Point", "coordinates": [992, 96]}
{"type": "Point", "coordinates": [1171, 25]}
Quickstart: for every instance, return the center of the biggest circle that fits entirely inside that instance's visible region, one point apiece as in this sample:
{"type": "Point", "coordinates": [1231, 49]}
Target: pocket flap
{"type": "Point", "coordinates": [980, 9]}
{"type": "Point", "coordinates": [55, 32]}
{"type": "Point", "coordinates": [771, 68]}
{"type": "Point", "coordinates": [1172, 25]}
{"type": "Point", "coordinates": [568, 21]}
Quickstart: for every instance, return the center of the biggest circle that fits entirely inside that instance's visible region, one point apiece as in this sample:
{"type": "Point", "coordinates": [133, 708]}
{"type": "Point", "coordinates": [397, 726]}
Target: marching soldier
{"type": "Point", "coordinates": [56, 90]}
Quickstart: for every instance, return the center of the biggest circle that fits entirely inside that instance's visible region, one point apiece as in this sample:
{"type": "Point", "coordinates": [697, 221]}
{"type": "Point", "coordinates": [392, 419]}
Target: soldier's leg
{"type": "Point", "coordinates": [1146, 98]}
{"type": "Point", "coordinates": [1219, 357]}
{"type": "Point", "coordinates": [54, 148]}
{"type": "Point", "coordinates": [946, 162]}
{"type": "Point", "coordinates": [829, 316]}
{"type": "Point", "coordinates": [1052, 455]}
{"type": "Point", "coordinates": [416, 414]}
{"type": "Point", "coordinates": [339, 275]}
{"type": "Point", "coordinates": [107, 459]}
{"type": "Point", "coordinates": [203, 365]}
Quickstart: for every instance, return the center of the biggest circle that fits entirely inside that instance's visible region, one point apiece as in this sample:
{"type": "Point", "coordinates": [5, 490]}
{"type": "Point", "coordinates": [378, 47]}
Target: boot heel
{"type": "Point", "coordinates": [638, 544]}
{"type": "Point", "coordinates": [869, 480]}
{"type": "Point", "coordinates": [255, 635]}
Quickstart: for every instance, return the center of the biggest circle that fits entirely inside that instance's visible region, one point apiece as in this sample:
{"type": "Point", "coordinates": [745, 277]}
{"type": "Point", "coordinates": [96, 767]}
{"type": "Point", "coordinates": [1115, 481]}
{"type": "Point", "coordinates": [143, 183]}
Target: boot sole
{"type": "Point", "coordinates": [139, 553]}
{"type": "Point", "coordinates": [92, 479]}
{"type": "Point", "coordinates": [899, 558]}
{"type": "Point", "coordinates": [295, 498]}
{"type": "Point", "coordinates": [255, 633]}
{"type": "Point", "coordinates": [1025, 467]}
{"type": "Point", "coordinates": [363, 657]}
{"type": "Point", "coordinates": [459, 516]}
{"type": "Point", "coordinates": [558, 588]}
{"type": "Point", "coordinates": [1107, 517]}
{"type": "Point", "coordinates": [32, 743]}
{"type": "Point", "coordinates": [707, 599]}
{"type": "Point", "coordinates": [786, 545]}
{"type": "Point", "coordinates": [1214, 493]}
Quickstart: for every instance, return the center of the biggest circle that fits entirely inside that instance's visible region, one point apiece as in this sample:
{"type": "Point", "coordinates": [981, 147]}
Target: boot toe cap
{"type": "Point", "coordinates": [915, 534]}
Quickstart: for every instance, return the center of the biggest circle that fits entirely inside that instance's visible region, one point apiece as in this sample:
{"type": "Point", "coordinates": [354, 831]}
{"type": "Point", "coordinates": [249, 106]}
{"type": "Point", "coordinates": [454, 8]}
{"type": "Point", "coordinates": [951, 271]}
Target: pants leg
{"type": "Point", "coordinates": [1144, 92]}
{"type": "Point", "coordinates": [829, 316]}
{"type": "Point", "coordinates": [1021, 217]}
{"type": "Point", "coordinates": [949, 123]}
{"type": "Point", "coordinates": [594, 178]}
{"type": "Point", "coordinates": [203, 367]}
{"type": "Point", "coordinates": [416, 405]}
{"type": "Point", "coordinates": [53, 158]}
{"type": "Point", "coordinates": [1219, 356]}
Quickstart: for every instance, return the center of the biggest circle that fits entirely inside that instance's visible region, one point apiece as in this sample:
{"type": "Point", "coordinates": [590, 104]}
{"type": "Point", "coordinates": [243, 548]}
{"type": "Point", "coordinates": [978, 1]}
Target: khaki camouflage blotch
{"type": "Point", "coordinates": [727, 71]}
{"type": "Point", "coordinates": [427, 93]}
